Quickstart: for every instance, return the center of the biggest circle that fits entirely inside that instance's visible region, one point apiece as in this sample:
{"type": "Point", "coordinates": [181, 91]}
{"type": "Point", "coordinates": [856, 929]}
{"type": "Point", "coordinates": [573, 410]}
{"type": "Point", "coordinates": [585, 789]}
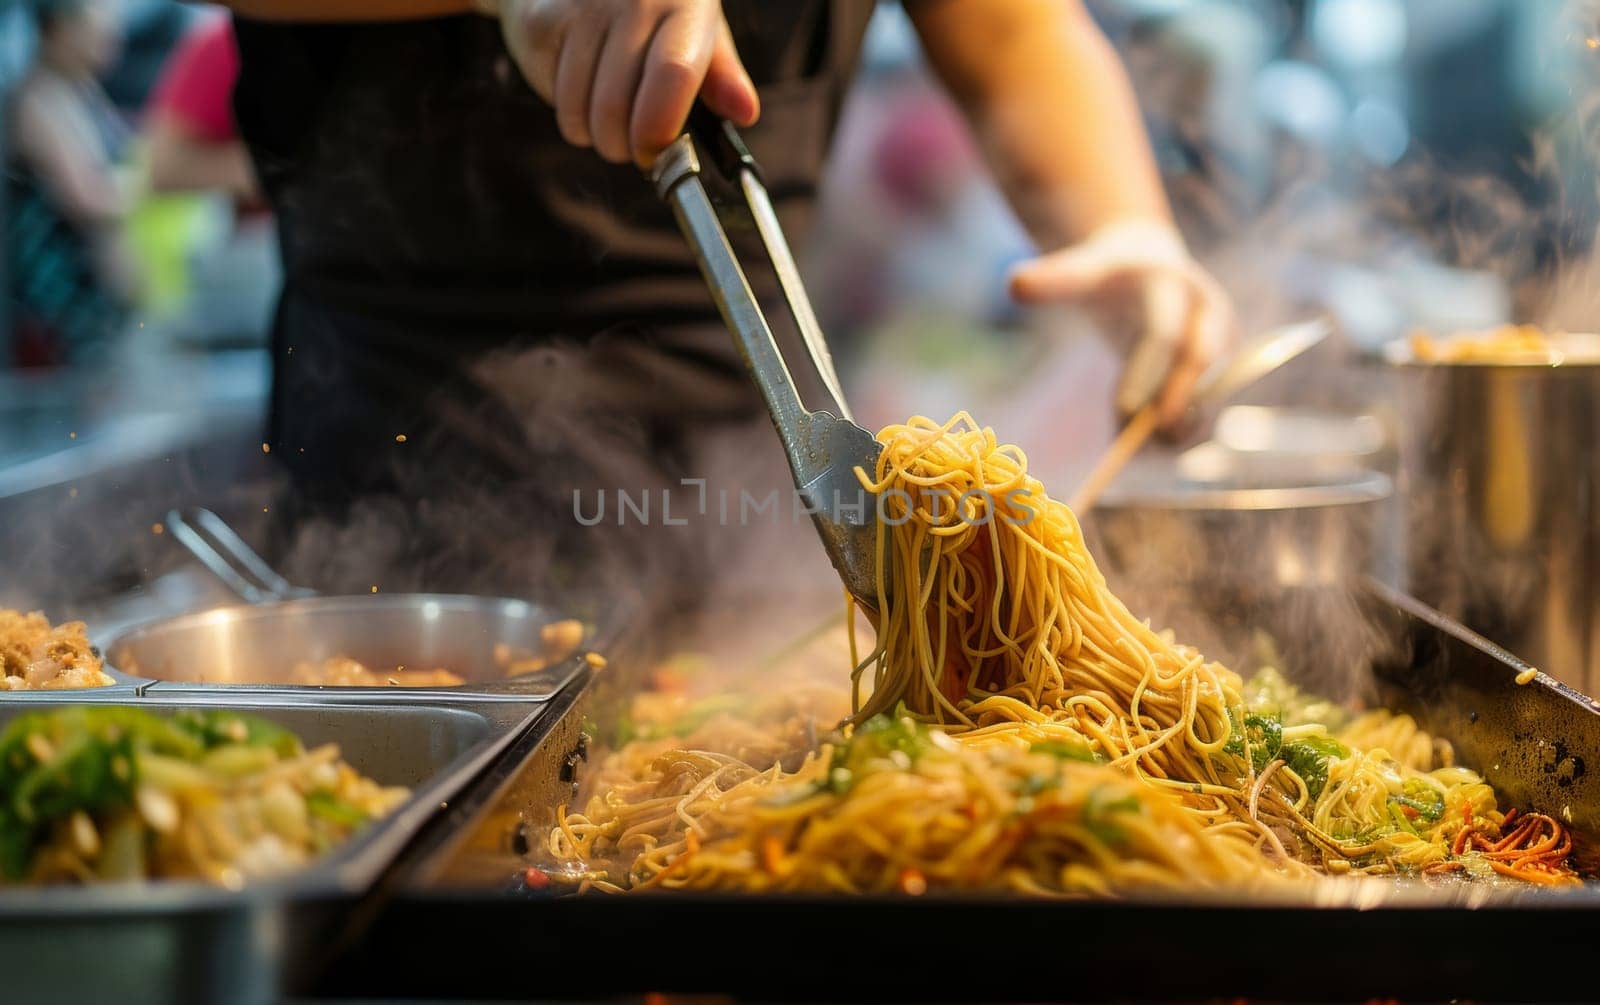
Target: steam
{"type": "Point", "coordinates": [489, 503]}
{"type": "Point", "coordinates": [1280, 243]}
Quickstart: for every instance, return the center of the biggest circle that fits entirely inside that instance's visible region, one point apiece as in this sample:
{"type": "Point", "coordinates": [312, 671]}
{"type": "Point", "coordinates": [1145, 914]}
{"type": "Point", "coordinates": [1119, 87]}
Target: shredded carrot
{"type": "Point", "coordinates": [772, 854]}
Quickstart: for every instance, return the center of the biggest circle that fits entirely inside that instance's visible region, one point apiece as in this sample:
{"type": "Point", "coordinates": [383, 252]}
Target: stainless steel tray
{"type": "Point", "coordinates": [223, 647]}
{"type": "Point", "coordinates": [1412, 942]}
{"type": "Point", "coordinates": [187, 941]}
{"type": "Point", "coordinates": [253, 647]}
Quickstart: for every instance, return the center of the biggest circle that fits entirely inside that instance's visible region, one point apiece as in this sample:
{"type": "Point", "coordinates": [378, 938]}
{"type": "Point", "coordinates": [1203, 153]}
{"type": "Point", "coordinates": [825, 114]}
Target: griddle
{"type": "Point", "coordinates": [483, 936]}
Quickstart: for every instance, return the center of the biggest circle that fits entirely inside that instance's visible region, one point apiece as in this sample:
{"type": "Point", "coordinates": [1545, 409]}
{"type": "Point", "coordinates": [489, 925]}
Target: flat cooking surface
{"type": "Point", "coordinates": [1331, 941]}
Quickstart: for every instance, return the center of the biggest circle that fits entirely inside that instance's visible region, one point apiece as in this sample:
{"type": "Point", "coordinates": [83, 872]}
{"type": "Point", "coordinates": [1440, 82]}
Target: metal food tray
{"type": "Point", "coordinates": [231, 647]}
{"type": "Point", "coordinates": [252, 647]}
{"type": "Point", "coordinates": [180, 940]}
{"type": "Point", "coordinates": [1338, 941]}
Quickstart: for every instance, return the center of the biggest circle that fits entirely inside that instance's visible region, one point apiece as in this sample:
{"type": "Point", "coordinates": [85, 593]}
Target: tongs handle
{"type": "Point", "coordinates": [824, 446]}
{"type": "Point", "coordinates": [675, 175]}
{"type": "Point", "coordinates": [720, 141]}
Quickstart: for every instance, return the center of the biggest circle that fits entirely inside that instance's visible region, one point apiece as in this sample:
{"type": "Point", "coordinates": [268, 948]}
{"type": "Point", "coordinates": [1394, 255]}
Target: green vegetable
{"type": "Point", "coordinates": [1427, 801]}
{"type": "Point", "coordinates": [1098, 809]}
{"type": "Point", "coordinates": [1263, 732]}
{"type": "Point", "coordinates": [334, 810]}
{"type": "Point", "coordinates": [883, 735]}
{"type": "Point", "coordinates": [1309, 758]}
{"type": "Point", "coordinates": [1398, 815]}
{"type": "Point", "coordinates": [219, 728]}
{"type": "Point", "coordinates": [877, 739]}
{"type": "Point", "coordinates": [91, 759]}
{"type": "Point", "coordinates": [1066, 751]}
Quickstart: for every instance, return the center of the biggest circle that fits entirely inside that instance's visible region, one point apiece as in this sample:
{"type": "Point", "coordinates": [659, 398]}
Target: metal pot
{"type": "Point", "coordinates": [1214, 561]}
{"type": "Point", "coordinates": [1501, 488]}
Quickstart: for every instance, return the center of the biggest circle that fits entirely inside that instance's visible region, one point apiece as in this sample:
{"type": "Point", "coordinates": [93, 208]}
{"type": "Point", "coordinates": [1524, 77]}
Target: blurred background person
{"type": "Point", "coordinates": [226, 272]}
{"type": "Point", "coordinates": [69, 282]}
{"type": "Point", "coordinates": [189, 126]}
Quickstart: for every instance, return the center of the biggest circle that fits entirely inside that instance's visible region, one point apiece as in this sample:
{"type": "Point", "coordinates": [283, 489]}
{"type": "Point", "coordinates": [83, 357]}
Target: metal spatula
{"type": "Point", "coordinates": [824, 446]}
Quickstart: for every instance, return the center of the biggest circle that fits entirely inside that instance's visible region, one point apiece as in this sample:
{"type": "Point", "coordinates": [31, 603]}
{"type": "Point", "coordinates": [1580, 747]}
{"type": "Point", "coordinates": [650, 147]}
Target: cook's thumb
{"type": "Point", "coordinates": [1061, 275]}
{"type": "Point", "coordinates": [728, 90]}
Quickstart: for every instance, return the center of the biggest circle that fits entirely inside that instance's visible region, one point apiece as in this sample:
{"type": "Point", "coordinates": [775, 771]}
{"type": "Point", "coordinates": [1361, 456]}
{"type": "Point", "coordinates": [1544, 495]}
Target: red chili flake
{"type": "Point", "coordinates": [535, 878]}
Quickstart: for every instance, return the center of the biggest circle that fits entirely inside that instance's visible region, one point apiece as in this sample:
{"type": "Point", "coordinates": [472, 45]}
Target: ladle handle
{"type": "Point", "coordinates": [225, 555]}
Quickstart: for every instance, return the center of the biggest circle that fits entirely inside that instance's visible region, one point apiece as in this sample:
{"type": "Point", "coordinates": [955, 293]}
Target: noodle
{"type": "Point", "coordinates": [1009, 696]}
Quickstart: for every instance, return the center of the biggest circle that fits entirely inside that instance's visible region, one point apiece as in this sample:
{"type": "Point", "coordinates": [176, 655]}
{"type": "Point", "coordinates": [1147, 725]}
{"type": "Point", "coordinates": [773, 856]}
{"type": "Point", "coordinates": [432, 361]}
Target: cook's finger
{"type": "Point", "coordinates": [675, 68]}
{"type": "Point", "coordinates": [1063, 275]}
{"type": "Point", "coordinates": [574, 81]}
{"type": "Point", "coordinates": [1165, 306]}
{"type": "Point", "coordinates": [728, 90]}
{"type": "Point", "coordinates": [1196, 354]}
{"type": "Point", "coordinates": [616, 84]}
{"type": "Point", "coordinates": [533, 33]}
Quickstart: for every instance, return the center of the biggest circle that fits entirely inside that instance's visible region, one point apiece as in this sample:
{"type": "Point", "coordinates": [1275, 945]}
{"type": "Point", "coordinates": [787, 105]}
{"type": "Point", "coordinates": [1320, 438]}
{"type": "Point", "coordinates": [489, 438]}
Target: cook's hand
{"type": "Point", "coordinates": [623, 74]}
{"type": "Point", "coordinates": [1181, 319]}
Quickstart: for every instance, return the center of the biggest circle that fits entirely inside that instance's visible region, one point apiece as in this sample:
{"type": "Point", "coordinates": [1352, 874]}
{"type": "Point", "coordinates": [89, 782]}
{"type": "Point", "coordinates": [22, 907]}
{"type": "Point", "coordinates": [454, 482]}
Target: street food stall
{"type": "Point", "coordinates": [504, 666]}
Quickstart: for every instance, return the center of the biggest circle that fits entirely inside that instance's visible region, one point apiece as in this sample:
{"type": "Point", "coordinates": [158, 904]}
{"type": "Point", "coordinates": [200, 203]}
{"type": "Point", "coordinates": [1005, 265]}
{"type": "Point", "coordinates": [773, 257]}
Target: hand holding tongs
{"type": "Point", "coordinates": [824, 446]}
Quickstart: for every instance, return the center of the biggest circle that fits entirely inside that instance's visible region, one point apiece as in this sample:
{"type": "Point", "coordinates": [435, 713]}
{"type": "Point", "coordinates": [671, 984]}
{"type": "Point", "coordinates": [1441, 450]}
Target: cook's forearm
{"type": "Point", "coordinates": [346, 10]}
{"type": "Point", "coordinates": [1052, 105]}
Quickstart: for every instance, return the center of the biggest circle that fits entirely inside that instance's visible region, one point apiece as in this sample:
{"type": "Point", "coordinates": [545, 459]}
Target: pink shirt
{"type": "Point", "coordinates": [196, 85]}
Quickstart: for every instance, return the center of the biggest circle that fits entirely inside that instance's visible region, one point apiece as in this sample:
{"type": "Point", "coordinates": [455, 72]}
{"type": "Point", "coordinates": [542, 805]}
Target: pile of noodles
{"type": "Point", "coordinates": [1017, 727]}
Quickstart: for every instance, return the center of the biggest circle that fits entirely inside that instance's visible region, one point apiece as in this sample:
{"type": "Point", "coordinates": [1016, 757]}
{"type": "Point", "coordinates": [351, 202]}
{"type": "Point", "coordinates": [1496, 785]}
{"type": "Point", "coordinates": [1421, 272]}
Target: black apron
{"type": "Point", "coordinates": [479, 322]}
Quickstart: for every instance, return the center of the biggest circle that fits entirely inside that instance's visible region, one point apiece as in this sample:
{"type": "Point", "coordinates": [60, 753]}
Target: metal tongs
{"type": "Point", "coordinates": [824, 446]}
